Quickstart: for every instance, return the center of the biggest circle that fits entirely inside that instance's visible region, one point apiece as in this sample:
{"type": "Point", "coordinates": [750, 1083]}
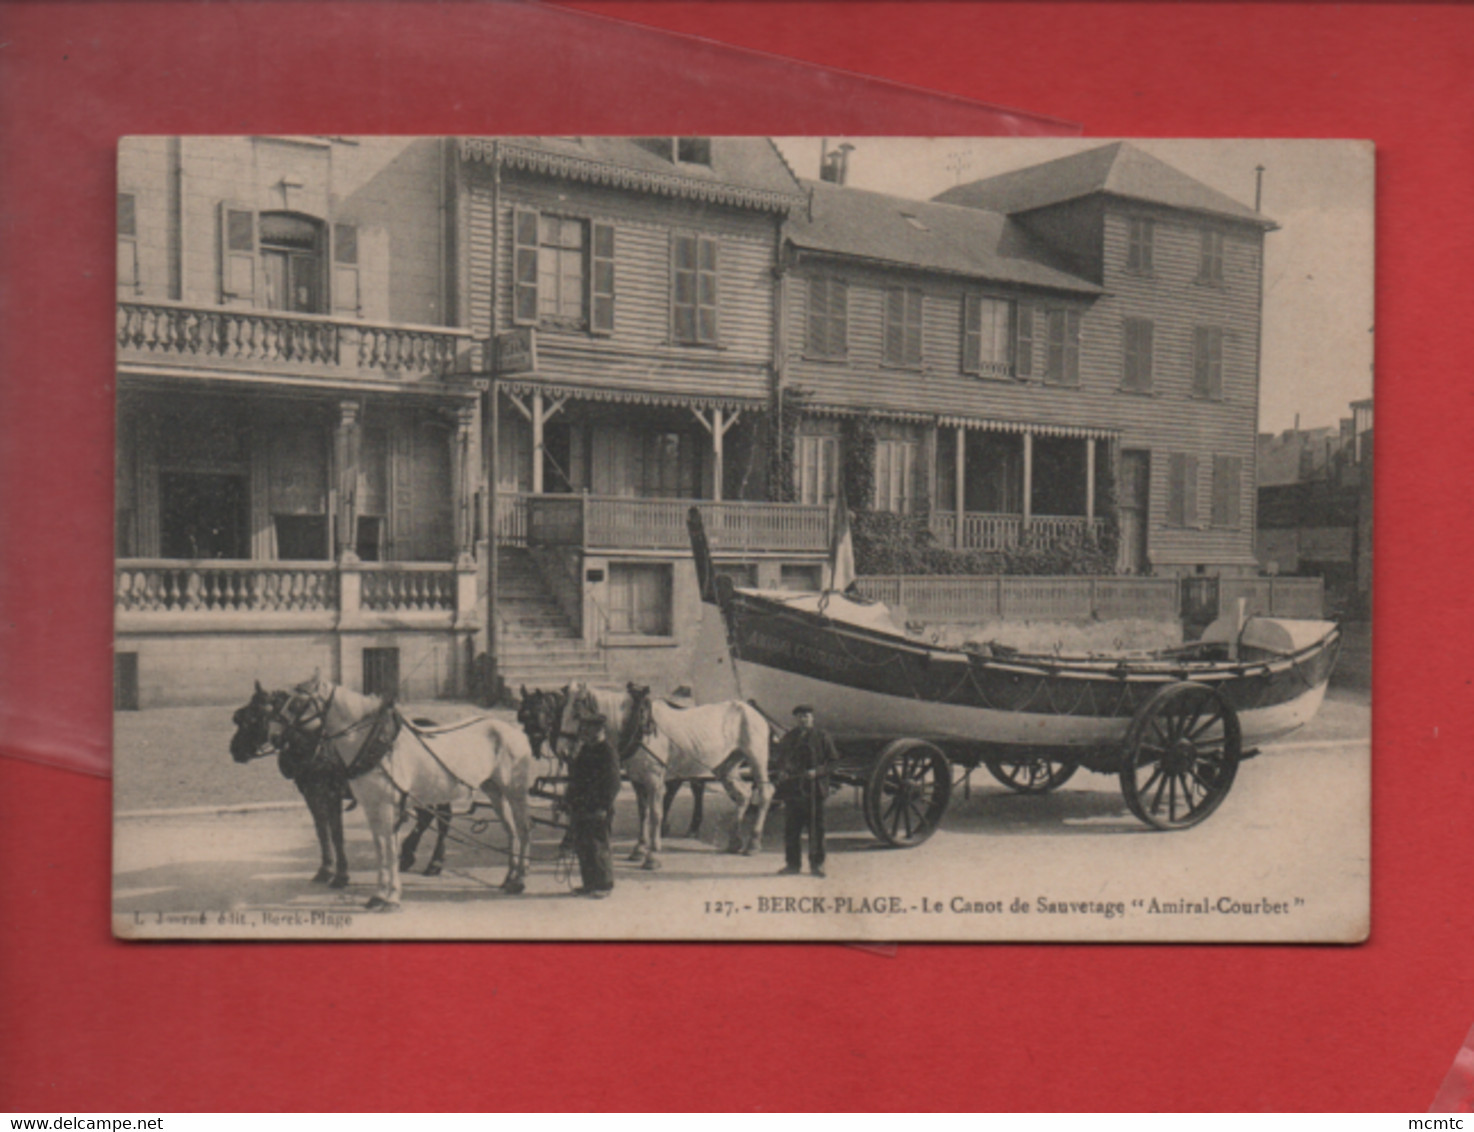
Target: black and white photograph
{"type": "Point", "coordinates": [743, 538]}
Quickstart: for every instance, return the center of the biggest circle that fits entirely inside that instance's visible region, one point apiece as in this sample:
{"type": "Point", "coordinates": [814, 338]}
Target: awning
{"type": "Point", "coordinates": [982, 424]}
{"type": "Point", "coordinates": [524, 387]}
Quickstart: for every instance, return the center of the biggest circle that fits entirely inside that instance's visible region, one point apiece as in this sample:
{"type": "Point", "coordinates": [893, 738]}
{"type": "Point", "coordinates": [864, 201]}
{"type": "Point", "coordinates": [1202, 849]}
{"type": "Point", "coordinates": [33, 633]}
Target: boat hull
{"type": "Point", "coordinates": [869, 686]}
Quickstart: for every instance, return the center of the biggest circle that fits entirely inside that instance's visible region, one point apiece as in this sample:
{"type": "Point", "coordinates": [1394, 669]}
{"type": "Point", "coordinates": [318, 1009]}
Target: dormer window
{"type": "Point", "coordinates": [1139, 245]}
{"type": "Point", "coordinates": [694, 151]}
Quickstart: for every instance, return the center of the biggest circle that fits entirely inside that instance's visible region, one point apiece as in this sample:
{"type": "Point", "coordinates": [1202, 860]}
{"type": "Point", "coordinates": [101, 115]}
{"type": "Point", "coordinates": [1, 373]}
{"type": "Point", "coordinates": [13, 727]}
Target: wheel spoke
{"type": "Point", "coordinates": [1161, 785]}
{"type": "Point", "coordinates": [1194, 732]}
{"type": "Point", "coordinates": [1144, 788]}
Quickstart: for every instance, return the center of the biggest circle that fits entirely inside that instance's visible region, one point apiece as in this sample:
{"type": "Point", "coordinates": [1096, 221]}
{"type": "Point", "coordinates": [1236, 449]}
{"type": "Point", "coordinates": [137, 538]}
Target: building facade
{"type": "Point", "coordinates": [429, 414]}
{"type": "Point", "coordinates": [298, 442]}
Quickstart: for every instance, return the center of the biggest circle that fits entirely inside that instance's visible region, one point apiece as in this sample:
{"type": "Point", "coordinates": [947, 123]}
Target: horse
{"type": "Point", "coordinates": [320, 781]}
{"type": "Point", "coordinates": [388, 761]}
{"type": "Point", "coordinates": [657, 741]}
{"type": "Point", "coordinates": [538, 712]}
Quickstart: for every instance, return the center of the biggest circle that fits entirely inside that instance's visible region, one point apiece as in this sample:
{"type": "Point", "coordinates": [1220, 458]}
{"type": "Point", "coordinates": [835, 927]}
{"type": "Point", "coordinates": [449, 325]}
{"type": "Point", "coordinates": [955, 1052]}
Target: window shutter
{"type": "Point", "coordinates": [1177, 489]}
{"type": "Point", "coordinates": [706, 290]}
{"type": "Point", "coordinates": [1072, 348]}
{"type": "Point", "coordinates": [972, 334]}
{"type": "Point", "coordinates": [818, 312]}
{"type": "Point", "coordinates": [1226, 473]}
{"type": "Point", "coordinates": [346, 294]}
{"type": "Point", "coordinates": [895, 313]}
{"type": "Point", "coordinates": [1189, 491]}
{"type": "Point", "coordinates": [915, 306]}
{"type": "Point", "coordinates": [1024, 349]}
{"type": "Point", "coordinates": [238, 247]}
{"type": "Point", "coordinates": [127, 242]}
{"type": "Point", "coordinates": [601, 279]}
{"type": "Point", "coordinates": [524, 266]}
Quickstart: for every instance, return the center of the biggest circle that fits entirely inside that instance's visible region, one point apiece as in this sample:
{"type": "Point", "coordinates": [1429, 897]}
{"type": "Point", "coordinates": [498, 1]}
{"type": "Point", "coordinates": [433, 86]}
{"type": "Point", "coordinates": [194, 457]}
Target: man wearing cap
{"type": "Point", "coordinates": [801, 766]}
{"type": "Point", "coordinates": [593, 784]}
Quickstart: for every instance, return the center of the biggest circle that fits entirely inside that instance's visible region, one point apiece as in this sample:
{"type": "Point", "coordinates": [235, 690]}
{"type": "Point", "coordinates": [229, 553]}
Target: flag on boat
{"type": "Point", "coordinates": [842, 547]}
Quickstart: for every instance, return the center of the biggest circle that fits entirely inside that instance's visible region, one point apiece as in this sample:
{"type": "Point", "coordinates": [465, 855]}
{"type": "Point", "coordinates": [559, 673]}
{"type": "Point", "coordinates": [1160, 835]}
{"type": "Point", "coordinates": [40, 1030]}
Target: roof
{"type": "Point", "coordinates": [746, 172]}
{"type": "Point", "coordinates": [1119, 170]}
{"type": "Point", "coordinates": [926, 236]}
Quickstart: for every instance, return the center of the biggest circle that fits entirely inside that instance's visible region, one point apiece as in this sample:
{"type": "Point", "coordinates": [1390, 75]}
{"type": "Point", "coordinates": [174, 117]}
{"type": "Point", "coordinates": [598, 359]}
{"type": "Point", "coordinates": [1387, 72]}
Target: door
{"type": "Point", "coordinates": [1134, 505]}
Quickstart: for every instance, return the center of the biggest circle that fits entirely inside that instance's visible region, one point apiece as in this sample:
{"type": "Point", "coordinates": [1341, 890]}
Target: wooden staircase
{"type": "Point", "coordinates": [536, 644]}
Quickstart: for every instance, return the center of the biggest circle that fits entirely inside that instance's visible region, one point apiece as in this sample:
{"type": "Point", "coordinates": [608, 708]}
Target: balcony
{"type": "Point", "coordinates": [237, 339]}
{"type": "Point", "coordinates": [614, 523]}
{"type": "Point", "coordinates": [167, 594]}
{"type": "Point", "coordinates": [995, 531]}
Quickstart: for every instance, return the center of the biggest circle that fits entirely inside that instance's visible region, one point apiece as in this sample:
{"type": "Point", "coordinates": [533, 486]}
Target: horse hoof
{"type": "Point", "coordinates": [651, 865]}
{"type": "Point", "coordinates": [406, 863]}
{"type": "Point", "coordinates": [339, 881]}
{"type": "Point", "coordinates": [513, 887]}
{"type": "Point", "coordinates": [694, 833]}
{"type": "Point", "coordinates": [748, 850]}
{"type": "Point", "coordinates": [733, 847]}
{"type": "Point", "coordinates": [379, 904]}
{"type": "Point", "coordinates": [322, 876]}
{"type": "Point", "coordinates": [433, 869]}
{"type": "Point", "coordinates": [637, 855]}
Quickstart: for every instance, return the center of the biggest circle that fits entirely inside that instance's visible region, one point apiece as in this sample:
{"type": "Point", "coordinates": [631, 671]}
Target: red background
{"type": "Point", "coordinates": [96, 1025]}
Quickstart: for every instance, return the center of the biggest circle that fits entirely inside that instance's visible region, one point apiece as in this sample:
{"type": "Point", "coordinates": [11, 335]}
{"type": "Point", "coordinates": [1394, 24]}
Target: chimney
{"type": "Point", "coordinates": [1258, 185]}
{"type": "Point", "coordinates": [834, 165]}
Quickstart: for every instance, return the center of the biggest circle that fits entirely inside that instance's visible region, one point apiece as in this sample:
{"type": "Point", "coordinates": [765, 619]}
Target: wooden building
{"type": "Point", "coordinates": [298, 443]}
{"type": "Point", "coordinates": [1163, 359]}
{"type": "Point", "coordinates": [627, 287]}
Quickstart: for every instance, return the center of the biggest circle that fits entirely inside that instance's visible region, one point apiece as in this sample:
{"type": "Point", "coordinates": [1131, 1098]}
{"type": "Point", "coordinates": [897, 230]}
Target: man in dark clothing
{"type": "Point", "coordinates": [801, 766]}
{"type": "Point", "coordinates": [593, 784]}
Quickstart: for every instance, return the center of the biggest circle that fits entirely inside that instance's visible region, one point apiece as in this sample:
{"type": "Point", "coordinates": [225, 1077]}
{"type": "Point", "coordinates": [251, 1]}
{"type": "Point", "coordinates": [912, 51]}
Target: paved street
{"type": "Point", "coordinates": [1286, 857]}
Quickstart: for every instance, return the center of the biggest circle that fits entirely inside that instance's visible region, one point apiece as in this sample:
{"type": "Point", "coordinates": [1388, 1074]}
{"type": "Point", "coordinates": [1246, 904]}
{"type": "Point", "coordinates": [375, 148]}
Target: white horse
{"type": "Point", "coordinates": [657, 742]}
{"type": "Point", "coordinates": [390, 762]}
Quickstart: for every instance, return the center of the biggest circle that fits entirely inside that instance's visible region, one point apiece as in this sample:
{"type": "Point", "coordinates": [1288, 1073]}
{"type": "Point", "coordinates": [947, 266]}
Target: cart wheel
{"type": "Point", "coordinates": [907, 792]}
{"type": "Point", "coordinates": [1180, 756]}
{"type": "Point", "coordinates": [1031, 775]}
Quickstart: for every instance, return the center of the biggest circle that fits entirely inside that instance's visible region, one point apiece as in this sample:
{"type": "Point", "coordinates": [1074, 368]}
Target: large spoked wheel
{"type": "Point", "coordinates": [1180, 757]}
{"type": "Point", "coordinates": [907, 792]}
{"type": "Point", "coordinates": [1027, 775]}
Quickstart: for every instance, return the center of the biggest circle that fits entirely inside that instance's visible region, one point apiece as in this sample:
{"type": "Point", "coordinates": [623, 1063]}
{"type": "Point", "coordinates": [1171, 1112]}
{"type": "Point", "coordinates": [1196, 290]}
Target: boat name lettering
{"type": "Point", "coordinates": [798, 650]}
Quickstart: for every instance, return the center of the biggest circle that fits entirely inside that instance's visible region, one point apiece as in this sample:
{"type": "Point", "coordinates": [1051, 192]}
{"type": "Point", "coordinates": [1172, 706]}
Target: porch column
{"type": "Point", "coordinates": [537, 442]}
{"type": "Point", "coordinates": [1028, 479]}
{"type": "Point", "coordinates": [961, 473]}
{"type": "Point", "coordinates": [1090, 479]}
{"type": "Point", "coordinates": [346, 444]}
{"type": "Point", "coordinates": [718, 431]}
{"type": "Point", "coordinates": [149, 527]}
{"type": "Point", "coordinates": [462, 477]}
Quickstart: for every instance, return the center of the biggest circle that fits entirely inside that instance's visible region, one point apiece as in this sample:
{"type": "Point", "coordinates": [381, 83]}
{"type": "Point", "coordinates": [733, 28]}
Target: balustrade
{"type": "Point", "coordinates": [609, 522]}
{"type": "Point", "coordinates": [167, 586]}
{"type": "Point", "coordinates": [408, 589]}
{"type": "Point", "coordinates": [232, 336]}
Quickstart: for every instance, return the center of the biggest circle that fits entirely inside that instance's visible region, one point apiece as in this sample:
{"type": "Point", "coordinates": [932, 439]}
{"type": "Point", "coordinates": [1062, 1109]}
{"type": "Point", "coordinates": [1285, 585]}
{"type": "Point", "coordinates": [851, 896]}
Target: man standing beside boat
{"type": "Point", "coordinates": [802, 763]}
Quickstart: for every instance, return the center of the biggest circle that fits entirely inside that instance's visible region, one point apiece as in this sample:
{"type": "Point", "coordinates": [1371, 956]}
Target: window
{"type": "Point", "coordinates": [1062, 364]}
{"type": "Point", "coordinates": [828, 313]}
{"type": "Point", "coordinates": [818, 468]}
{"type": "Point", "coordinates": [985, 336]}
{"type": "Point", "coordinates": [291, 262]}
{"type": "Point", "coordinates": [903, 327]}
{"type": "Point", "coordinates": [895, 475]}
{"type": "Point", "coordinates": [237, 254]}
{"type": "Point", "coordinates": [1210, 257]}
{"type": "Point", "coordinates": [1139, 245]}
{"type": "Point", "coordinates": [1182, 490]}
{"type": "Point", "coordinates": [1137, 366]}
{"type": "Point", "coordinates": [1227, 474]}
{"type": "Point", "coordinates": [801, 578]}
{"type": "Point", "coordinates": [693, 151]}
{"type": "Point", "coordinates": [1208, 362]}
{"type": "Point", "coordinates": [694, 289]}
{"type": "Point", "coordinates": [1023, 365]}
{"type": "Point", "coordinates": [640, 599]}
{"type": "Point", "coordinates": [562, 272]}
{"type": "Point", "coordinates": [127, 242]}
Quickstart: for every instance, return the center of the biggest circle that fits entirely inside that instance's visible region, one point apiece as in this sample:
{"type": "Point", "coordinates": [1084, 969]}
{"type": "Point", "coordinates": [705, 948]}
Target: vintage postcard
{"type": "Point", "coordinates": [743, 538]}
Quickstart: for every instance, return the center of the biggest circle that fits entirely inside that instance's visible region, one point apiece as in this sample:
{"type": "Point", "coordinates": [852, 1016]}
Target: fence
{"type": "Point", "coordinates": [967, 598]}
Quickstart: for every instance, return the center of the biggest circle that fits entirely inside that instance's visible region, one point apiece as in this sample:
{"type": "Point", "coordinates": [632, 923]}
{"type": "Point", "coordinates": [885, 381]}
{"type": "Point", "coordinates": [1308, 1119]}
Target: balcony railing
{"type": "Point", "coordinates": [994, 531]}
{"type": "Point", "coordinates": [608, 522]}
{"type": "Point", "coordinates": [335, 593]}
{"type": "Point", "coordinates": [234, 338]}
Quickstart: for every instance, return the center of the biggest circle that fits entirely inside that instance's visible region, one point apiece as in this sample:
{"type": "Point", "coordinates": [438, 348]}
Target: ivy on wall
{"type": "Point", "coordinates": [788, 409]}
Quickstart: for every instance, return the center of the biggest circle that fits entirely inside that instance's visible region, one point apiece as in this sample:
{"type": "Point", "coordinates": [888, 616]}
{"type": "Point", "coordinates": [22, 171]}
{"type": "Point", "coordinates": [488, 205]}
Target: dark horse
{"type": "Point", "coordinates": [324, 787]}
{"type": "Point", "coordinates": [321, 781]}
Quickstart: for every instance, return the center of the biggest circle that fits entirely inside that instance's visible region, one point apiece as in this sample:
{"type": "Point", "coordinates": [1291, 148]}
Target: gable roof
{"type": "Point", "coordinates": [1119, 170]}
{"type": "Point", "coordinates": [927, 236]}
{"type": "Point", "coordinates": [746, 172]}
